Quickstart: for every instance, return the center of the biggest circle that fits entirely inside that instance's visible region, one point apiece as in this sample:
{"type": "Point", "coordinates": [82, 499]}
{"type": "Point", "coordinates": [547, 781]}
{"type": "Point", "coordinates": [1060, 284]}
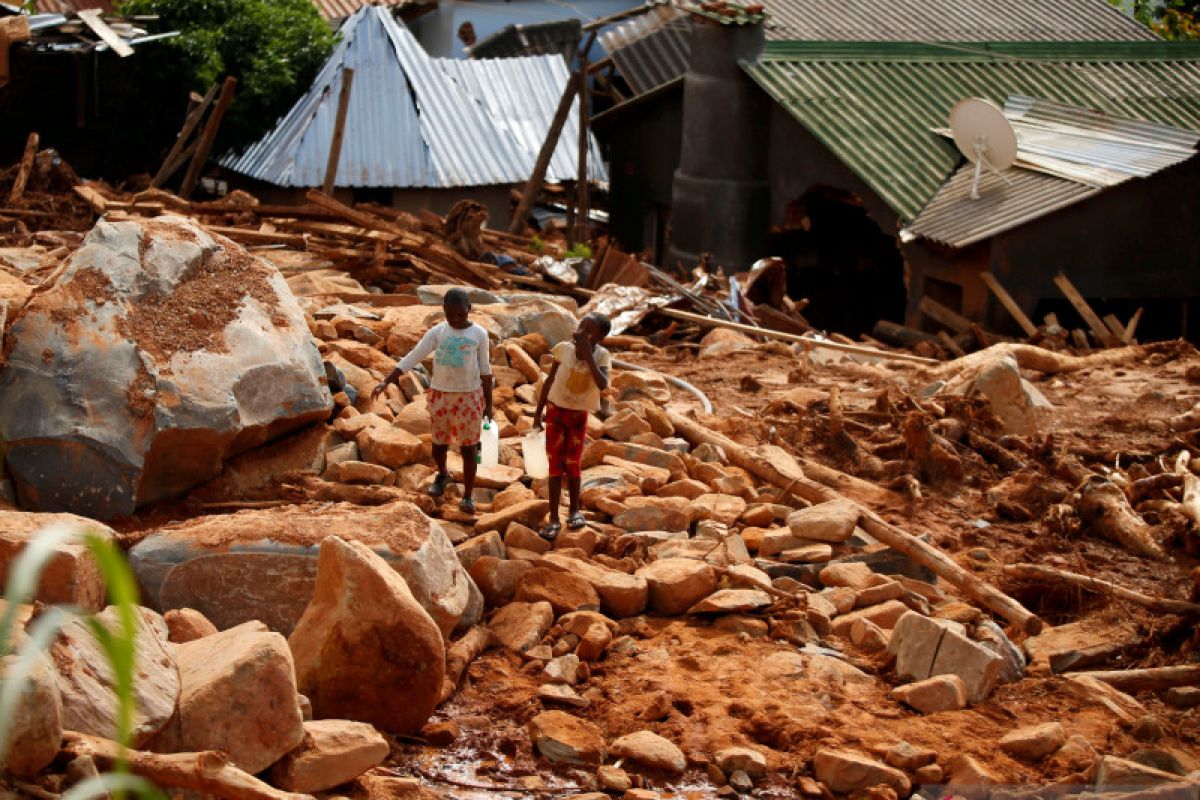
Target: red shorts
{"type": "Point", "coordinates": [565, 430]}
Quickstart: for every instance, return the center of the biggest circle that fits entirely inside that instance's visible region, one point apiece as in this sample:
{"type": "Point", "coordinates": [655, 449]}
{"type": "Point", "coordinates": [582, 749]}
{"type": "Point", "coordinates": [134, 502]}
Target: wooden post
{"type": "Point", "coordinates": [208, 137]}
{"type": "Point", "coordinates": [1131, 328]}
{"type": "Point", "coordinates": [18, 187]}
{"type": "Point", "coordinates": [1099, 330]}
{"type": "Point", "coordinates": [189, 127]}
{"type": "Point", "coordinates": [339, 128]}
{"type": "Point", "coordinates": [581, 183]}
{"type": "Point", "coordinates": [713, 322]}
{"type": "Point", "coordinates": [1009, 304]}
{"type": "Point", "coordinates": [943, 315]}
{"type": "Point", "coordinates": [543, 160]}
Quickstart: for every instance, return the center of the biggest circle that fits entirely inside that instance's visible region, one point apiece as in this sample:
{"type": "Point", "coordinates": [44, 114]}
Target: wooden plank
{"type": "Point", "coordinates": [378, 300]}
{"type": "Point", "coordinates": [97, 201]}
{"type": "Point", "coordinates": [943, 315]}
{"type": "Point", "coordinates": [1079, 339]}
{"type": "Point", "coordinates": [1131, 328]}
{"type": "Point", "coordinates": [26, 167]}
{"type": "Point", "coordinates": [249, 236]}
{"type": "Point", "coordinates": [360, 218]}
{"type": "Point", "coordinates": [1115, 325]}
{"type": "Point", "coordinates": [339, 129]}
{"type": "Point", "coordinates": [543, 160]}
{"type": "Point", "coordinates": [950, 344]}
{"type": "Point", "coordinates": [1102, 334]}
{"type": "Point", "coordinates": [173, 161]}
{"type": "Point", "coordinates": [207, 137]}
{"type": "Point", "coordinates": [712, 322]}
{"type": "Point", "coordinates": [91, 18]}
{"type": "Point", "coordinates": [1009, 304]}
{"type": "Point", "coordinates": [580, 234]}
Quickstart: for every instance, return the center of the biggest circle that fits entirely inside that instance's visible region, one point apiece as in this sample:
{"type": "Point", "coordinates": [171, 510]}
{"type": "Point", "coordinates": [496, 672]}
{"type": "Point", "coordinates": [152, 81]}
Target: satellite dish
{"type": "Point", "coordinates": [984, 136]}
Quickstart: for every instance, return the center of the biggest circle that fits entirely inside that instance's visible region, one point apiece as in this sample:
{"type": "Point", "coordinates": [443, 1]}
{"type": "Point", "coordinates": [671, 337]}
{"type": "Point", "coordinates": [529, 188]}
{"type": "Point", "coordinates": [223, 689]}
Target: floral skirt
{"type": "Point", "coordinates": [565, 430]}
{"type": "Point", "coordinates": [456, 417]}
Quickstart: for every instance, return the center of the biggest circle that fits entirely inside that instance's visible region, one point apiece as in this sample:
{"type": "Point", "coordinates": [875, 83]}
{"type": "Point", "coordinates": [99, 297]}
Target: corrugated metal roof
{"type": "Point", "coordinates": [1064, 154]}
{"type": "Point", "coordinates": [560, 37]}
{"type": "Point", "coordinates": [418, 122]}
{"type": "Point", "coordinates": [953, 218]}
{"type": "Point", "coordinates": [650, 53]}
{"type": "Point", "coordinates": [951, 20]}
{"type": "Point", "coordinates": [874, 104]}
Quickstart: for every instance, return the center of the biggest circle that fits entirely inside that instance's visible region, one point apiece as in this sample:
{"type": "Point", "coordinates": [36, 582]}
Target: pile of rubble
{"type": "Point", "coordinates": [834, 582]}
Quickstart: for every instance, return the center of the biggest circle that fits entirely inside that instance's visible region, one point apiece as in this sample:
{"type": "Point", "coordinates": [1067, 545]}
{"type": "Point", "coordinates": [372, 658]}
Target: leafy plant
{"type": "Point", "coordinates": [1170, 19]}
{"type": "Point", "coordinates": [537, 245]}
{"type": "Point", "coordinates": [118, 645]}
{"type": "Point", "coordinates": [273, 47]}
{"type": "Point", "coordinates": [579, 250]}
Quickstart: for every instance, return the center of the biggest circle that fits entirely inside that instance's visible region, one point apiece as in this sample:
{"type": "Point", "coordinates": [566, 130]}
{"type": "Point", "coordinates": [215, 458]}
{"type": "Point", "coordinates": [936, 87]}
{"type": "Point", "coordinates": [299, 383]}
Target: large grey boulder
{"type": "Point", "coordinates": [262, 565]}
{"type": "Point", "coordinates": [159, 351]}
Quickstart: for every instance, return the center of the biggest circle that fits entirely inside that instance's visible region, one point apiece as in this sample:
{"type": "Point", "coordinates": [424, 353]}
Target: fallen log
{"type": "Point", "coordinates": [1103, 506]}
{"type": "Point", "coordinates": [1040, 359]}
{"type": "Point", "coordinates": [460, 655]}
{"type": "Point", "coordinates": [1050, 575]}
{"type": "Point", "coordinates": [993, 452]}
{"type": "Point", "coordinates": [1151, 679]}
{"type": "Point", "coordinates": [25, 168]}
{"type": "Point", "coordinates": [208, 772]}
{"type": "Point", "coordinates": [919, 551]}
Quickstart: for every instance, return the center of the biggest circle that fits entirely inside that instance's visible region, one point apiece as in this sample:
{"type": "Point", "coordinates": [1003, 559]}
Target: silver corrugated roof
{"type": "Point", "coordinates": [1065, 154]}
{"type": "Point", "coordinates": [418, 122]}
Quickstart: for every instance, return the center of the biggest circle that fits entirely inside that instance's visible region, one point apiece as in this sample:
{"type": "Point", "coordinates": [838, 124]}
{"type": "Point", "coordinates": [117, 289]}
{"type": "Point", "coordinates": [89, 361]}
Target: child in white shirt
{"type": "Point", "coordinates": [460, 393]}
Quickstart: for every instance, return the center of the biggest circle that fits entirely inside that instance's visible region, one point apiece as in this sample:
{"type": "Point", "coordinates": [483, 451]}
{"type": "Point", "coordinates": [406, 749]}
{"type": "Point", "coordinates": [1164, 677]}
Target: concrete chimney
{"type": "Point", "coordinates": [720, 197]}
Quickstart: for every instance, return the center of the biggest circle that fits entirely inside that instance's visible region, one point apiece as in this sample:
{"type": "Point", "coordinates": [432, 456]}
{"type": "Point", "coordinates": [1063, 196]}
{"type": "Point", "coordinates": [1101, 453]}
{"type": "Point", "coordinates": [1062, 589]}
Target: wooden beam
{"type": "Point", "coordinates": [339, 129]}
{"type": "Point", "coordinates": [549, 144]}
{"type": "Point", "coordinates": [943, 315]}
{"type": "Point", "coordinates": [581, 180]}
{"type": "Point", "coordinates": [26, 167]}
{"type": "Point", "coordinates": [1116, 326]}
{"type": "Point", "coordinates": [1131, 328]}
{"type": "Point", "coordinates": [1150, 679]}
{"type": "Point", "coordinates": [173, 161]}
{"type": "Point", "coordinates": [1103, 334]}
{"type": "Point", "coordinates": [712, 322]}
{"type": "Point", "coordinates": [1053, 577]}
{"type": "Point", "coordinates": [360, 218]}
{"type": "Point", "coordinates": [91, 18]}
{"type": "Point", "coordinates": [1009, 304]}
{"type": "Point", "coordinates": [207, 137]}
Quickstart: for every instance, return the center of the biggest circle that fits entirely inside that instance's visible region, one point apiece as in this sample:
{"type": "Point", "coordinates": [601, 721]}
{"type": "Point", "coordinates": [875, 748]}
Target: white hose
{"type": "Point", "coordinates": [671, 379]}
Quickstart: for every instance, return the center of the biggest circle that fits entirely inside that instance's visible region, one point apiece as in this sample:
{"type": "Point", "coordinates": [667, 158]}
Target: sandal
{"type": "Point", "coordinates": [467, 505]}
{"type": "Point", "coordinates": [576, 521]}
{"type": "Point", "coordinates": [438, 487]}
{"type": "Point", "coordinates": [550, 532]}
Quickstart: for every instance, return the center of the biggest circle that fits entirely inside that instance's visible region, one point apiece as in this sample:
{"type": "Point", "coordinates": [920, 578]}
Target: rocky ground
{"type": "Point", "coordinates": [855, 577]}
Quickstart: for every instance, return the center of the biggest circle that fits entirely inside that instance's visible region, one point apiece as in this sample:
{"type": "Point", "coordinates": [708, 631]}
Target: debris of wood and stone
{"type": "Point", "coordinates": [812, 566]}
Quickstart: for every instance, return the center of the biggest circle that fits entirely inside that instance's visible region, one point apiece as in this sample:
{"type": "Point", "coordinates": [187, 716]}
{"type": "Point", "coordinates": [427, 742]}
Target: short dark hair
{"type": "Point", "coordinates": [603, 323]}
{"type": "Point", "coordinates": [457, 297]}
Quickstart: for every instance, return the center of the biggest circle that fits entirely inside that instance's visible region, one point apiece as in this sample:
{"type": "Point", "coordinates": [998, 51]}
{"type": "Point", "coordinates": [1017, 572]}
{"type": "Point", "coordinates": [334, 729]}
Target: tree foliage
{"type": "Point", "coordinates": [273, 47]}
{"type": "Point", "coordinates": [1170, 19]}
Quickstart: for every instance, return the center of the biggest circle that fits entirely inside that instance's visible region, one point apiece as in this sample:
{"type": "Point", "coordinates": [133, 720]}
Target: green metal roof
{"type": "Point", "coordinates": [873, 104]}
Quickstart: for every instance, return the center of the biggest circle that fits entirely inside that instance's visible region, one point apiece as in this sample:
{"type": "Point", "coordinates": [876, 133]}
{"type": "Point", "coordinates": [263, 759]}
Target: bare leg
{"type": "Point", "coordinates": [573, 484]}
{"type": "Point", "coordinates": [555, 497]}
{"type": "Point", "coordinates": [439, 458]}
{"type": "Point", "coordinates": [469, 466]}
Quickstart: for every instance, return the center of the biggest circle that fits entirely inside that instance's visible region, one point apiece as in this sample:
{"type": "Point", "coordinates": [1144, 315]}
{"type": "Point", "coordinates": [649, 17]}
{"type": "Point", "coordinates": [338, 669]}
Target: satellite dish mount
{"type": "Point", "coordinates": [984, 136]}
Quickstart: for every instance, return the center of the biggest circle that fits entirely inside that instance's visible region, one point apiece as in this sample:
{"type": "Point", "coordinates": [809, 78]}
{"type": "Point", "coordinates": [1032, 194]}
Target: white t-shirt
{"type": "Point", "coordinates": [460, 356]}
{"type": "Point", "coordinates": [573, 385]}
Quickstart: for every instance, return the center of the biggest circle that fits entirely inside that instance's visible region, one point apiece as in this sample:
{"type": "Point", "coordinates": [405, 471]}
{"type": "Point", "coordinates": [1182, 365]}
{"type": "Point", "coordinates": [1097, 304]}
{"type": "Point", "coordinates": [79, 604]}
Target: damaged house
{"type": "Point", "coordinates": [420, 132]}
{"type": "Point", "coordinates": [814, 136]}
